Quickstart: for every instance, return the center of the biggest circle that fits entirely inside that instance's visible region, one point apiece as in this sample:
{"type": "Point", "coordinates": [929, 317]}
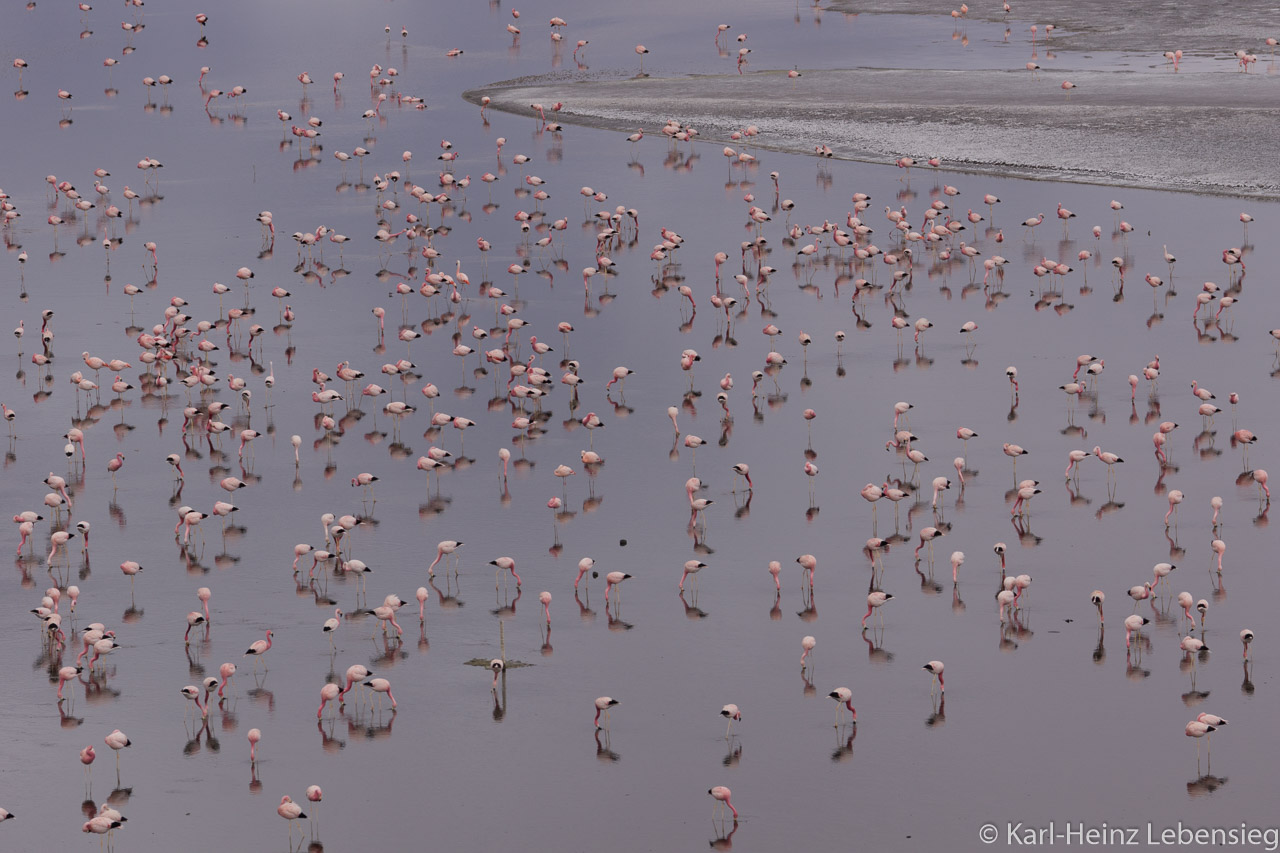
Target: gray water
{"type": "Point", "coordinates": [1048, 718]}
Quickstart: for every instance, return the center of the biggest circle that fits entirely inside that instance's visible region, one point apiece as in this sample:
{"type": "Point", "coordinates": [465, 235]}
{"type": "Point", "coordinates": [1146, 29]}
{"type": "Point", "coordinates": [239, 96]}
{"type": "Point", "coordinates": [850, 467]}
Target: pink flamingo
{"type": "Point", "coordinates": [1108, 458]}
{"type": "Point", "coordinates": [504, 564]}
{"type": "Point", "coordinates": [384, 614]}
{"type": "Point", "coordinates": [1186, 602]}
{"type": "Point", "coordinates": [259, 648]}
{"type": "Point", "coordinates": [1013, 451]}
{"type": "Point", "coordinates": [332, 624]}
{"type": "Point", "coordinates": [844, 699]}
{"type": "Point", "coordinates": [193, 694]}
{"type": "Point", "coordinates": [584, 565]}
{"type": "Point", "coordinates": [731, 713]}
{"type": "Point", "coordinates": [807, 644]}
{"type": "Point", "coordinates": [117, 741]}
{"type": "Point", "coordinates": [226, 672]}
{"type": "Point", "coordinates": [935, 667]}
{"type": "Point", "coordinates": [254, 735]}
{"type": "Point", "coordinates": [875, 601]}
{"type": "Point", "coordinates": [1140, 593]}
{"type": "Point", "coordinates": [1175, 498]}
{"type": "Point", "coordinates": [194, 618]}
{"type": "Point", "coordinates": [872, 493]}
{"type": "Point", "coordinates": [443, 549]}
{"type": "Point", "coordinates": [611, 580]}
{"type": "Point", "coordinates": [115, 465]}
{"type": "Point", "coordinates": [1074, 458]}
{"type": "Point", "coordinates": [380, 686]}
{"type": "Point", "coordinates": [314, 794]}
{"type": "Point", "coordinates": [927, 535]}
{"type": "Point", "coordinates": [355, 673]}
{"type": "Point", "coordinates": [1133, 625]}
{"type": "Point", "coordinates": [940, 484]}
{"type": "Point", "coordinates": [290, 811]}
{"type": "Point", "coordinates": [603, 704]}
{"type": "Point", "coordinates": [808, 563]}
{"type": "Point", "coordinates": [721, 795]}
{"type": "Point", "coordinates": [620, 375]}
{"type": "Point", "coordinates": [65, 674]}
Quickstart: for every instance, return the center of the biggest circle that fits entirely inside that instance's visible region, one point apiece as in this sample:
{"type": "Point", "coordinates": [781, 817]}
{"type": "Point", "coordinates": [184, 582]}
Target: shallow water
{"type": "Point", "coordinates": [469, 769]}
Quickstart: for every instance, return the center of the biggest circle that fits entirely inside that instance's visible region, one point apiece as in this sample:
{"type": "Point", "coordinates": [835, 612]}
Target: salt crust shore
{"type": "Point", "coordinates": [1202, 132]}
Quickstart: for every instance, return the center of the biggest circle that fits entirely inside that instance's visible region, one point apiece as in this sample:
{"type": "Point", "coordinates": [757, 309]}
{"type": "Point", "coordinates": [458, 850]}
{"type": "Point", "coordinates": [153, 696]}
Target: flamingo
{"type": "Point", "coordinates": [691, 567]}
{"type": "Point", "coordinates": [611, 580]}
{"type": "Point", "coordinates": [117, 741]}
{"type": "Point", "coordinates": [844, 699]}
{"type": "Point", "coordinates": [1133, 625]}
{"type": "Point", "coordinates": [1175, 498]}
{"type": "Point", "coordinates": [288, 809]}
{"type": "Point", "coordinates": [259, 648]}
{"type": "Point", "coordinates": [381, 686]}
{"type": "Point", "coordinates": [445, 548]}
{"type": "Point", "coordinates": [732, 713]}
{"type": "Point", "coordinates": [603, 705]}
{"type": "Point", "coordinates": [807, 644]}
{"type": "Point", "coordinates": [721, 795]}
{"type": "Point", "coordinates": [935, 667]}
{"type": "Point", "coordinates": [875, 601]}
{"type": "Point", "coordinates": [504, 564]}
{"type": "Point", "coordinates": [1197, 730]}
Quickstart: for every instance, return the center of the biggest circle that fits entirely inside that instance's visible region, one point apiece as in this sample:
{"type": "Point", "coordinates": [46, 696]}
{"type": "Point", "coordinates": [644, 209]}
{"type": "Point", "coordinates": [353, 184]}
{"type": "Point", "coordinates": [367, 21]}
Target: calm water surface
{"type": "Point", "coordinates": [1047, 717]}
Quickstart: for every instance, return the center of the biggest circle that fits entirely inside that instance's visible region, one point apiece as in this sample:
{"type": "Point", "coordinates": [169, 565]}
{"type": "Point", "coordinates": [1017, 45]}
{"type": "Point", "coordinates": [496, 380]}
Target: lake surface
{"type": "Point", "coordinates": [1047, 718]}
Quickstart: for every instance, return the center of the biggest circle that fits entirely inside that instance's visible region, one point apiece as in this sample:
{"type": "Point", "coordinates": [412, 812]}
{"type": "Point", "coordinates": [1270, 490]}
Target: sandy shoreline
{"type": "Point", "coordinates": [1216, 29]}
{"type": "Point", "coordinates": [1188, 132]}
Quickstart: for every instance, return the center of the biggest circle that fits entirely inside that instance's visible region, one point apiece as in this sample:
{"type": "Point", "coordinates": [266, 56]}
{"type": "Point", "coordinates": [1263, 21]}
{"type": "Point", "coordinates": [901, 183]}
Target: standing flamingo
{"type": "Point", "coordinates": [611, 580]}
{"type": "Point", "coordinates": [380, 686]}
{"type": "Point", "coordinates": [1133, 625]}
{"type": "Point", "coordinates": [844, 699]}
{"type": "Point", "coordinates": [732, 713]}
{"type": "Point", "coordinates": [443, 549]}
{"type": "Point", "coordinates": [875, 601]}
{"type": "Point", "coordinates": [289, 810]}
{"type": "Point", "coordinates": [117, 740]}
{"type": "Point", "coordinates": [1175, 498]}
{"type": "Point", "coordinates": [603, 705]}
{"type": "Point", "coordinates": [504, 564]}
{"type": "Point", "coordinates": [721, 795]}
{"type": "Point", "coordinates": [935, 667]}
{"type": "Point", "coordinates": [807, 644]}
{"type": "Point", "coordinates": [1197, 730]}
{"type": "Point", "coordinates": [259, 648]}
{"type": "Point", "coordinates": [584, 566]}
